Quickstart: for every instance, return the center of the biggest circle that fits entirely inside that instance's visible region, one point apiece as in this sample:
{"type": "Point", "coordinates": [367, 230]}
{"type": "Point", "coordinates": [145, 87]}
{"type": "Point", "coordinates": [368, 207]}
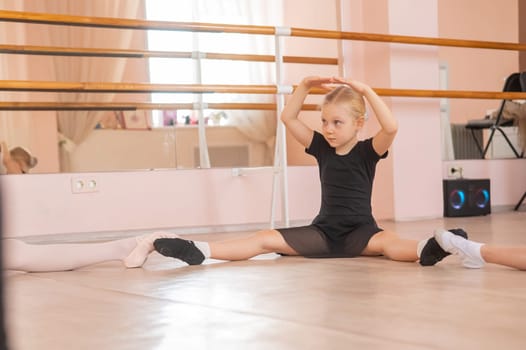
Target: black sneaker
{"type": "Point", "coordinates": [180, 249]}
{"type": "Point", "coordinates": [433, 252]}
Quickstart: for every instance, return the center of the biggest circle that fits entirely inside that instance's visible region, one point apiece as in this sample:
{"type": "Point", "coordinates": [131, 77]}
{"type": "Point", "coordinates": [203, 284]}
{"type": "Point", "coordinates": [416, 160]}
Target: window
{"type": "Point", "coordinates": [207, 71]}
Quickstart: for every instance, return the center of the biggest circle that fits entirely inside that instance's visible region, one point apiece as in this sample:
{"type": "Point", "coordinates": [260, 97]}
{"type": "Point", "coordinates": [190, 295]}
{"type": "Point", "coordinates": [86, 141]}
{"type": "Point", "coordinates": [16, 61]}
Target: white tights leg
{"type": "Point", "coordinates": [21, 256]}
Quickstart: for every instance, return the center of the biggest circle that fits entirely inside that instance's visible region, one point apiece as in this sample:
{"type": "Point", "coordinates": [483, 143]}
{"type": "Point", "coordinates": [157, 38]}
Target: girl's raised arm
{"type": "Point", "coordinates": [389, 125]}
{"type": "Point", "coordinates": [301, 132]}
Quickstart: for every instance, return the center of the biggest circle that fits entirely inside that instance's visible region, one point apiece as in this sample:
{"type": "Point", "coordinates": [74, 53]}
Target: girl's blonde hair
{"type": "Point", "coordinates": [344, 95]}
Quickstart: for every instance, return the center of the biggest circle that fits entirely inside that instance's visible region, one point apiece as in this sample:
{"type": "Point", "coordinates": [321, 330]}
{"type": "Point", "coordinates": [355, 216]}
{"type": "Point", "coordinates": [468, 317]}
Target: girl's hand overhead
{"type": "Point", "coordinates": [354, 84]}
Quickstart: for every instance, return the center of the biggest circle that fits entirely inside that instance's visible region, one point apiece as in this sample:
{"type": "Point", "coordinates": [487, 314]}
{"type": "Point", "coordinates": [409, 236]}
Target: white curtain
{"type": "Point", "coordinates": [75, 126]}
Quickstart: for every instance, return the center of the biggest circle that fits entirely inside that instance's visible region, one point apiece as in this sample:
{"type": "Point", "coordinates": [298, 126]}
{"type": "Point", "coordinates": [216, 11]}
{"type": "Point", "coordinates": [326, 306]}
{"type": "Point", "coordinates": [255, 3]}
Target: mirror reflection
{"type": "Point", "coordinates": [498, 133]}
{"type": "Point", "coordinates": [98, 140]}
{"type": "Point", "coordinates": [82, 141]}
{"type": "Point", "coordinates": [170, 139]}
{"type": "Point", "coordinates": [484, 129]}
{"type": "Point", "coordinates": [143, 139]}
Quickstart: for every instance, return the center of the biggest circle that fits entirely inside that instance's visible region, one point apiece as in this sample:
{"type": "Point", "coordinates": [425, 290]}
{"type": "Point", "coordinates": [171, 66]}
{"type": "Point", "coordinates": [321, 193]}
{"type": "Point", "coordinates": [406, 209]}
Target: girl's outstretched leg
{"type": "Point", "coordinates": [261, 242]}
{"type": "Point", "coordinates": [194, 253]}
{"type": "Point", "coordinates": [475, 254]}
{"type": "Point", "coordinates": [21, 256]}
{"type": "Point", "coordinates": [62, 257]}
{"type": "Point", "coordinates": [389, 244]}
{"type": "Point", "coordinates": [428, 252]}
{"type": "Point", "coordinates": [508, 256]}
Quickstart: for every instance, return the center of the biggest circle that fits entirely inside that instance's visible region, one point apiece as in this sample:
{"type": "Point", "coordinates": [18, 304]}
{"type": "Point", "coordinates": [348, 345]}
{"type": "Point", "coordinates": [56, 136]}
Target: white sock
{"type": "Point", "coordinates": [473, 259]}
{"type": "Point", "coordinates": [420, 247]}
{"type": "Point", "coordinates": [468, 251]}
{"type": "Point", "coordinates": [204, 247]}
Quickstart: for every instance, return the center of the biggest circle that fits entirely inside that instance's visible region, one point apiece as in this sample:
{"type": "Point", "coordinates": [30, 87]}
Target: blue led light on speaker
{"type": "Point", "coordinates": [457, 198]}
{"type": "Point", "coordinates": [482, 198]}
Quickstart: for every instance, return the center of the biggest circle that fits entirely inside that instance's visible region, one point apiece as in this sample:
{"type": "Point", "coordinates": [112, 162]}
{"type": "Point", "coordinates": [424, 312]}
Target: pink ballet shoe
{"type": "Point", "coordinates": [144, 247]}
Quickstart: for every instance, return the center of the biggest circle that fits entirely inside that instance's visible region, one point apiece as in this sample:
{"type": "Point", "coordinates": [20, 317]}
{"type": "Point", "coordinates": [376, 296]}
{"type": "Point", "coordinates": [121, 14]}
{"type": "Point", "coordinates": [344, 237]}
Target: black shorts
{"type": "Point", "coordinates": [311, 242]}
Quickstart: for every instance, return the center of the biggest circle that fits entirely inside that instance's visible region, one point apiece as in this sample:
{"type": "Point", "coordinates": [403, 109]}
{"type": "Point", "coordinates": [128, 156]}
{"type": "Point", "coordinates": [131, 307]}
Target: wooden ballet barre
{"type": "Point", "coordinates": [407, 39]}
{"type": "Point", "coordinates": [131, 106]}
{"type": "Point", "coordinates": [126, 23]}
{"type": "Point", "coordinates": [103, 87]}
{"type": "Point", "coordinates": [97, 52]}
{"type": "Point", "coordinates": [461, 94]}
{"type": "Point", "coordinates": [123, 23]}
{"type": "Point", "coordinates": [100, 87]}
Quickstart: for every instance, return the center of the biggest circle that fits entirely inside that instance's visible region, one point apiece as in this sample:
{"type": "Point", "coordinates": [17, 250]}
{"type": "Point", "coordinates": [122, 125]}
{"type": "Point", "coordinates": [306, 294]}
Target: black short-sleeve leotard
{"type": "Point", "coordinates": [346, 186]}
{"type": "Point", "coordinates": [344, 224]}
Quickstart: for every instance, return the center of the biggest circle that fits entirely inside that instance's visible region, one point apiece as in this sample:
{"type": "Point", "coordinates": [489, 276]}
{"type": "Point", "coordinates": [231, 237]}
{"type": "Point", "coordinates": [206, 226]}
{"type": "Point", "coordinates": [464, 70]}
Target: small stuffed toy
{"type": "Point", "coordinates": [16, 161]}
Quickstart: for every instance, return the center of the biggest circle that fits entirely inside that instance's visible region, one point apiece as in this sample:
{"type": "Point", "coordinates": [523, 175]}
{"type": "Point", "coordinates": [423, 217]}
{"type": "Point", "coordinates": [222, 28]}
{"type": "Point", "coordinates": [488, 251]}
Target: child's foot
{"type": "Point", "coordinates": [468, 251]}
{"type": "Point", "coordinates": [182, 249]}
{"type": "Point", "coordinates": [144, 247]}
{"type": "Point", "coordinates": [433, 252]}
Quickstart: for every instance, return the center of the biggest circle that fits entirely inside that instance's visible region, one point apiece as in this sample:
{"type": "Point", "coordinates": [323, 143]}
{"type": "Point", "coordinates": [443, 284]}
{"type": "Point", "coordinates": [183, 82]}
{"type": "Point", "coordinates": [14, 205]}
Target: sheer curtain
{"type": "Point", "coordinates": [75, 126]}
{"type": "Point", "coordinates": [259, 126]}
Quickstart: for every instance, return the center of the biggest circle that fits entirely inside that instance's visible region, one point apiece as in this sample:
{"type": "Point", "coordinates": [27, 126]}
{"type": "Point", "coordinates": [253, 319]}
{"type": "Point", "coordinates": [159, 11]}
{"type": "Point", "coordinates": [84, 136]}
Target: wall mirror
{"type": "Point", "coordinates": [156, 139]}
{"type": "Point", "coordinates": [169, 129]}
{"type": "Point", "coordinates": [148, 129]}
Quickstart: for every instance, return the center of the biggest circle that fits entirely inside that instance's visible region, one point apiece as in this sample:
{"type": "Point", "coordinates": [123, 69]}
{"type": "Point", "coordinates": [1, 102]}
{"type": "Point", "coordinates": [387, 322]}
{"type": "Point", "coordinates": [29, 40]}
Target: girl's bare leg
{"type": "Point", "coordinates": [21, 256]}
{"type": "Point", "coordinates": [262, 242]}
{"type": "Point", "coordinates": [508, 256]}
{"type": "Point", "coordinates": [389, 244]}
{"type": "Point", "coordinates": [475, 254]}
{"type": "Point", "coordinates": [194, 253]}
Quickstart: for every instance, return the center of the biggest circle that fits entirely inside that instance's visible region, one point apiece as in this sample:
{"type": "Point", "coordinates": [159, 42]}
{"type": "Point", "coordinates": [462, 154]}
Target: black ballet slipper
{"type": "Point", "coordinates": [178, 248]}
{"type": "Point", "coordinates": [433, 252]}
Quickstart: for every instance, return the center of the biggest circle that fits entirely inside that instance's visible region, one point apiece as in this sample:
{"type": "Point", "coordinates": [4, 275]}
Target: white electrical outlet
{"type": "Point", "coordinates": [454, 171]}
{"type": "Point", "coordinates": [84, 184]}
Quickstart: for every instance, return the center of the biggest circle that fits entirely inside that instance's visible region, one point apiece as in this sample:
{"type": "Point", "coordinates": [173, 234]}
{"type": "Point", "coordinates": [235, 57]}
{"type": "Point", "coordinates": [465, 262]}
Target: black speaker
{"type": "Point", "coordinates": [466, 197]}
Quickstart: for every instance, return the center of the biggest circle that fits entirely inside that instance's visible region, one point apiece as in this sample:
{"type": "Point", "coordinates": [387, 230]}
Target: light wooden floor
{"type": "Point", "coordinates": [272, 302]}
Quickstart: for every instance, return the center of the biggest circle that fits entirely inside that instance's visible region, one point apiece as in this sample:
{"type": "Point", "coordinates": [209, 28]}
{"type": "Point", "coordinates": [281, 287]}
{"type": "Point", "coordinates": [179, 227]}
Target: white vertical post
{"type": "Point", "coordinates": [448, 152]}
{"type": "Point", "coordinates": [280, 153]}
{"type": "Point", "coordinates": [204, 159]}
{"type": "Point", "coordinates": [342, 11]}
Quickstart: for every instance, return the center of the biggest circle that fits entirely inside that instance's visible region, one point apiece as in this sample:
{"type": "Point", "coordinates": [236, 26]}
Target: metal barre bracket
{"type": "Point", "coordinates": [199, 105]}
{"type": "Point", "coordinates": [282, 31]}
{"type": "Point", "coordinates": [197, 54]}
{"type": "Point", "coordinates": [284, 89]}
